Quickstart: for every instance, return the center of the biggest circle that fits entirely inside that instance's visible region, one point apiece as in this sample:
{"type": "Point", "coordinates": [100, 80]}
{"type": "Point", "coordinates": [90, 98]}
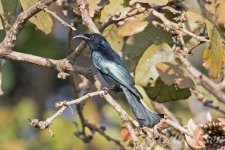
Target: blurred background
{"type": "Point", "coordinates": [30, 91]}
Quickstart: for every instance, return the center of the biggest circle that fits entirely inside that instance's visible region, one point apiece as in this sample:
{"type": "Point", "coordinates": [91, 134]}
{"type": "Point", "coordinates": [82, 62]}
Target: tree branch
{"type": "Point", "coordinates": [11, 36]}
{"type": "Point", "coordinates": [171, 25]}
{"type": "Point", "coordinates": [207, 102]}
{"type": "Point", "coordinates": [53, 14]}
{"type": "Point", "coordinates": [86, 17]}
{"type": "Point", "coordinates": [63, 106]}
{"type": "Point", "coordinates": [201, 79]}
{"type": "Point", "coordinates": [63, 65]}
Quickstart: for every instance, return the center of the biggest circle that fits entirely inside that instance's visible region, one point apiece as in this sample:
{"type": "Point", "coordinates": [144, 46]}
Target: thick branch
{"type": "Point", "coordinates": [11, 36]}
{"type": "Point", "coordinates": [62, 65]}
{"type": "Point", "coordinates": [83, 7]}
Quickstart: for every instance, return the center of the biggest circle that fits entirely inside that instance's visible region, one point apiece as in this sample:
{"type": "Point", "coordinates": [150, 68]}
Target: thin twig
{"type": "Point", "coordinates": [207, 102]}
{"type": "Point", "coordinates": [59, 19]}
{"type": "Point", "coordinates": [63, 106]}
{"type": "Point", "coordinates": [201, 79]}
{"type": "Point", "coordinates": [163, 110]}
{"type": "Point", "coordinates": [2, 61]}
{"type": "Point", "coordinates": [11, 36]}
{"type": "Point", "coordinates": [7, 25]}
{"type": "Point", "coordinates": [83, 7]}
{"type": "Point", "coordinates": [101, 130]}
{"type": "Point", "coordinates": [175, 26]}
{"type": "Point", "coordinates": [178, 127]}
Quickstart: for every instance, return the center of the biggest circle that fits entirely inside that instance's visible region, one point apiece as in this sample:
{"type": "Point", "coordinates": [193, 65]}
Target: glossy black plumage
{"type": "Point", "coordinates": [113, 70]}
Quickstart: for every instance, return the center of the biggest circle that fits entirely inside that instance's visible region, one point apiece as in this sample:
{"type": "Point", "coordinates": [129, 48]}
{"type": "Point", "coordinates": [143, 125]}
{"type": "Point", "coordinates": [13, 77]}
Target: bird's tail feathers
{"type": "Point", "coordinates": [143, 114]}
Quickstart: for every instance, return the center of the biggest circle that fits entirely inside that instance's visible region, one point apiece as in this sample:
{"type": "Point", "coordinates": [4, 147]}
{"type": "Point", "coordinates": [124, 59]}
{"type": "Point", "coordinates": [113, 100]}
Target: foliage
{"type": "Point", "coordinates": [161, 42]}
{"type": "Point", "coordinates": [42, 20]}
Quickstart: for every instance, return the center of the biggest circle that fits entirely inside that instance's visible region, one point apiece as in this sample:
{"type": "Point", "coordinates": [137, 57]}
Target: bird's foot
{"type": "Point", "coordinates": [106, 90]}
{"type": "Point", "coordinates": [91, 73]}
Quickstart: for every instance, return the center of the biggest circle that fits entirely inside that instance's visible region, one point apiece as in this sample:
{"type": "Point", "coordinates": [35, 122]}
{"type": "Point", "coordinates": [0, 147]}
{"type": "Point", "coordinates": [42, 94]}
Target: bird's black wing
{"type": "Point", "coordinates": [112, 65]}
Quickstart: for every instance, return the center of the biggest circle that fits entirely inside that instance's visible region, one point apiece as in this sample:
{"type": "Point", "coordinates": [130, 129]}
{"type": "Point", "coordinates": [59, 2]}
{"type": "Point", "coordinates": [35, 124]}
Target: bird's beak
{"type": "Point", "coordinates": [81, 37]}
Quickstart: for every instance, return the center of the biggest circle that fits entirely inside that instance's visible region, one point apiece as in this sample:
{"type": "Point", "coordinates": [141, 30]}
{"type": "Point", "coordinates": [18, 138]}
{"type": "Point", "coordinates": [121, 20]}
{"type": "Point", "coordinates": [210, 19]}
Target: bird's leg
{"type": "Point", "coordinates": [106, 90]}
{"type": "Point", "coordinates": [91, 73]}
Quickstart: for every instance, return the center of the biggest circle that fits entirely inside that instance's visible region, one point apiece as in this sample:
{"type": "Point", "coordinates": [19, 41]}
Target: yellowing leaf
{"type": "Point", "coordinates": [146, 66]}
{"type": "Point", "coordinates": [1, 8]}
{"type": "Point", "coordinates": [136, 44]}
{"type": "Point", "coordinates": [92, 4]}
{"type": "Point", "coordinates": [194, 16]}
{"type": "Point", "coordinates": [172, 74]}
{"type": "Point", "coordinates": [111, 34]}
{"type": "Point", "coordinates": [213, 56]}
{"type": "Point", "coordinates": [42, 20]}
{"type": "Point", "coordinates": [132, 27]}
{"type": "Point", "coordinates": [217, 9]}
{"type": "Point", "coordinates": [194, 20]}
{"type": "Point", "coordinates": [220, 12]}
{"type": "Point", "coordinates": [158, 2]}
{"type": "Point", "coordinates": [113, 7]}
{"type": "Point", "coordinates": [1, 12]}
{"type": "Point", "coordinates": [1, 25]}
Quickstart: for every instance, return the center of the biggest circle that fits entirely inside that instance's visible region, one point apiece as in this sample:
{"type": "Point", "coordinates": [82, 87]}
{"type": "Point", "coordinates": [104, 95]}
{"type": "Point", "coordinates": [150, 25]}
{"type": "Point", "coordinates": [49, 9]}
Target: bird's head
{"type": "Point", "coordinates": [93, 39]}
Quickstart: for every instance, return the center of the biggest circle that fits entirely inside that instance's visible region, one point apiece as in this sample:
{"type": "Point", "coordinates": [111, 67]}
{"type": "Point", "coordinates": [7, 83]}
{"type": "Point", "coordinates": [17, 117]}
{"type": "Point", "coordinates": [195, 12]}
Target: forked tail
{"type": "Point", "coordinates": [144, 116]}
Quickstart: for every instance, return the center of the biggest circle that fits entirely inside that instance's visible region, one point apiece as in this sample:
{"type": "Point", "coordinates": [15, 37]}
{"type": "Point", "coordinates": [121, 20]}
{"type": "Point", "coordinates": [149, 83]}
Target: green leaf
{"type": "Point", "coordinates": [92, 5]}
{"type": "Point", "coordinates": [111, 34]}
{"type": "Point", "coordinates": [213, 56]}
{"type": "Point", "coordinates": [133, 25]}
{"type": "Point", "coordinates": [41, 20]}
{"type": "Point", "coordinates": [146, 66]}
{"type": "Point", "coordinates": [162, 92]}
{"type": "Point", "coordinates": [157, 2]}
{"type": "Point", "coordinates": [113, 7]}
{"type": "Point", "coordinates": [173, 74]}
{"type": "Point", "coordinates": [8, 73]}
{"type": "Point", "coordinates": [1, 25]}
{"type": "Point", "coordinates": [9, 8]}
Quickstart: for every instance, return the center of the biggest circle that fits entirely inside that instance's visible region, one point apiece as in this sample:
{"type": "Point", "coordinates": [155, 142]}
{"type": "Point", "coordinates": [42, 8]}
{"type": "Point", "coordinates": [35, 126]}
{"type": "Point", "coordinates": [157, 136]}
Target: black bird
{"type": "Point", "coordinates": [113, 70]}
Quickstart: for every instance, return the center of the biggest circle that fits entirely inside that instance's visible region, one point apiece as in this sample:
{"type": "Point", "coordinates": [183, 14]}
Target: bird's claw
{"type": "Point", "coordinates": [91, 73]}
{"type": "Point", "coordinates": [106, 90]}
